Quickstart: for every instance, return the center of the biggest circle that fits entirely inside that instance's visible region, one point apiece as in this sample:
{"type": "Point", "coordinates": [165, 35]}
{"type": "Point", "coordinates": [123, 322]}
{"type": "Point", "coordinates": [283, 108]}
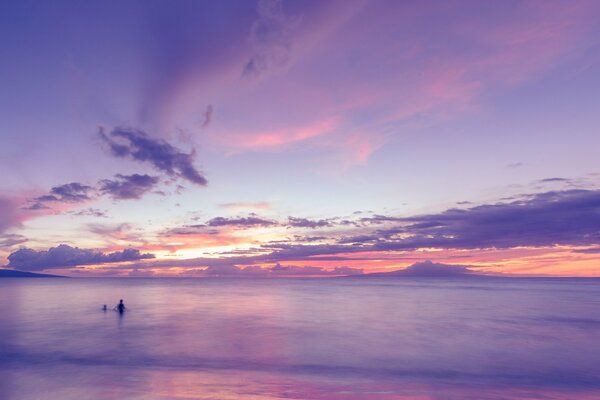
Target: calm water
{"type": "Point", "coordinates": [303, 339]}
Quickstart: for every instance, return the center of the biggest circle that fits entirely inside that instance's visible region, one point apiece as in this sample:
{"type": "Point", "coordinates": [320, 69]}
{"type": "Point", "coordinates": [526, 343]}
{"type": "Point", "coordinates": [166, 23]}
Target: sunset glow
{"type": "Point", "coordinates": [325, 137]}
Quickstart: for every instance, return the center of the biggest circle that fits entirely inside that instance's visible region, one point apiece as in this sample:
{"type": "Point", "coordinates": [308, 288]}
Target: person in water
{"type": "Point", "coordinates": [104, 308]}
{"type": "Point", "coordinates": [120, 307]}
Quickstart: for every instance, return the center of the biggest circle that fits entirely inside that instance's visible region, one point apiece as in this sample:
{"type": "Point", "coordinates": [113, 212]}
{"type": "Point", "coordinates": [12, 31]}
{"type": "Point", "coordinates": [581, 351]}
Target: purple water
{"type": "Point", "coordinates": [346, 338]}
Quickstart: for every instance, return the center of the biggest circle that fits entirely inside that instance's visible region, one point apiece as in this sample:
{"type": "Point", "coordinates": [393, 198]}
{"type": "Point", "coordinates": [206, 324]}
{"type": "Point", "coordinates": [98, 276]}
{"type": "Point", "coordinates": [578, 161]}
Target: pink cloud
{"type": "Point", "coordinates": [533, 39]}
{"type": "Point", "coordinates": [247, 206]}
{"type": "Point", "coordinates": [14, 211]}
{"type": "Point", "coordinates": [353, 149]}
{"type": "Point", "coordinates": [353, 84]}
{"type": "Point", "coordinates": [10, 213]}
{"type": "Point", "coordinates": [280, 137]}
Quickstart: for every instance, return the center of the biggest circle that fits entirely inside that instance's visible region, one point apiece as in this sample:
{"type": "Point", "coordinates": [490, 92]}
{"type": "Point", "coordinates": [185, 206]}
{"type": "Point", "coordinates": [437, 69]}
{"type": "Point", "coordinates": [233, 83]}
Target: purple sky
{"type": "Point", "coordinates": [325, 137]}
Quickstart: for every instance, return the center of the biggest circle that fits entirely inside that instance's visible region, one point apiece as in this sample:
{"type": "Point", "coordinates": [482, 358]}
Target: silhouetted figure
{"type": "Point", "coordinates": [120, 307]}
{"type": "Point", "coordinates": [104, 308]}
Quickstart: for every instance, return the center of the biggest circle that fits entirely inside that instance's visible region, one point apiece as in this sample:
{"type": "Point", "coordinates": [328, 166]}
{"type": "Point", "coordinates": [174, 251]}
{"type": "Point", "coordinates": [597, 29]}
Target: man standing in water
{"type": "Point", "coordinates": [120, 307]}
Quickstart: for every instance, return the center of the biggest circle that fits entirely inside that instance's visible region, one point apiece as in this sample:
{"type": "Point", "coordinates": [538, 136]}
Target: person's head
{"type": "Point", "coordinates": [121, 301]}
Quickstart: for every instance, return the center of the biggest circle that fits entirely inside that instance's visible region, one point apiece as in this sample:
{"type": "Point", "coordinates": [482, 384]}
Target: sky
{"type": "Point", "coordinates": [299, 138]}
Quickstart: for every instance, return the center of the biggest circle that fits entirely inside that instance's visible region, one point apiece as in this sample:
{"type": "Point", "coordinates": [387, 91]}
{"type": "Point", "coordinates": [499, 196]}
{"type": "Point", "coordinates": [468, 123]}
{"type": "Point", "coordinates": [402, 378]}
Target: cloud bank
{"type": "Point", "coordinates": [278, 270]}
{"type": "Point", "coordinates": [64, 256]}
{"type": "Point", "coordinates": [570, 217]}
{"type": "Point", "coordinates": [566, 218]}
{"type": "Point", "coordinates": [308, 223]}
{"type": "Point", "coordinates": [541, 220]}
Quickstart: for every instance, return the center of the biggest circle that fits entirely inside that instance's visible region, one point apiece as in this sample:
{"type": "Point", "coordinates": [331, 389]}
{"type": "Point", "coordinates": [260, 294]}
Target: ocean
{"type": "Point", "coordinates": [325, 338]}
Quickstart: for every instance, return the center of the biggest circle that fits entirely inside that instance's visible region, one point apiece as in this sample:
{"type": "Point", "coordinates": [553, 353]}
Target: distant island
{"type": "Point", "coordinates": [11, 273]}
{"type": "Point", "coordinates": [428, 269]}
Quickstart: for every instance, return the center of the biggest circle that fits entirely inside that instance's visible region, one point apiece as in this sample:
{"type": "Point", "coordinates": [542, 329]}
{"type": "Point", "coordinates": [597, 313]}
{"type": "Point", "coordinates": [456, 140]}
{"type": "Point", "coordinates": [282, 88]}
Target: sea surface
{"type": "Point", "coordinates": [340, 338]}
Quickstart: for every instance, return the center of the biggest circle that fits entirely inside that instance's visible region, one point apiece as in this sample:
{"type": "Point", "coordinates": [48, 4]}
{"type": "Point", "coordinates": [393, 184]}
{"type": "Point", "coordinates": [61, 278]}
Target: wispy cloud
{"type": "Point", "coordinates": [250, 221]}
{"type": "Point", "coordinates": [128, 186]}
{"type": "Point", "coordinates": [208, 115]}
{"type": "Point", "coordinates": [279, 137]}
{"type": "Point", "coordinates": [546, 180]}
{"type": "Point", "coordinates": [270, 38]}
{"type": "Point", "coordinates": [11, 239]}
{"type": "Point", "coordinates": [89, 212]}
{"type": "Point", "coordinates": [591, 250]}
{"type": "Point", "coordinates": [120, 231]}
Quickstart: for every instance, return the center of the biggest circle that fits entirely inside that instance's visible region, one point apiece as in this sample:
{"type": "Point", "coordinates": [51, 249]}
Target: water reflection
{"type": "Point", "coordinates": [318, 339]}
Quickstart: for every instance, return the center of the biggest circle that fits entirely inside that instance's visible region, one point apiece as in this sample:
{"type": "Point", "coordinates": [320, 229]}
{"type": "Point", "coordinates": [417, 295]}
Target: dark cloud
{"type": "Point", "coordinates": [591, 250]}
{"type": "Point", "coordinates": [348, 222]}
{"type": "Point", "coordinates": [73, 192]}
{"type": "Point", "coordinates": [570, 217]}
{"type": "Point", "coordinates": [89, 212]}
{"type": "Point", "coordinates": [191, 230]}
{"type": "Point", "coordinates": [128, 186]}
{"type": "Point", "coordinates": [555, 180]}
{"type": "Point", "coordinates": [308, 223]}
{"type": "Point", "coordinates": [35, 206]}
{"type": "Point", "coordinates": [543, 220]}
{"type": "Point", "coordinates": [360, 239]}
{"type": "Point", "coordinates": [137, 145]}
{"type": "Point", "coordinates": [515, 165]}
{"type": "Point", "coordinates": [121, 187]}
{"type": "Point", "coordinates": [379, 219]}
{"type": "Point", "coordinates": [299, 238]}
{"type": "Point", "coordinates": [250, 221]}
{"type": "Point", "coordinates": [211, 227]}
{"type": "Point", "coordinates": [64, 256]}
{"type": "Point", "coordinates": [566, 183]}
{"type": "Point", "coordinates": [298, 252]}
